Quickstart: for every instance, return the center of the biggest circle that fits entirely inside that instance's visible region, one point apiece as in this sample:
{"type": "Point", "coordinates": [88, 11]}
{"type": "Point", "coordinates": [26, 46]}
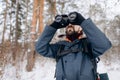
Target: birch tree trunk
{"type": "Point", "coordinates": [26, 36]}
{"type": "Point", "coordinates": [2, 58]}
{"type": "Point", "coordinates": [15, 42]}
{"type": "Point", "coordinates": [5, 15]}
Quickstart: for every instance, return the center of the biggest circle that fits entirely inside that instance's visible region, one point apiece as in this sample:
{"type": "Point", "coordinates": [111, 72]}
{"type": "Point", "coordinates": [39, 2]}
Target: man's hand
{"type": "Point", "coordinates": [60, 21]}
{"type": "Point", "coordinates": [75, 18]}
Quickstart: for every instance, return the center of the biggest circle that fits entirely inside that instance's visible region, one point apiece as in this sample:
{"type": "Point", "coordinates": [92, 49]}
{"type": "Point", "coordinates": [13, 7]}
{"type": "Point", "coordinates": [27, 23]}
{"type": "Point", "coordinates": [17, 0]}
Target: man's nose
{"type": "Point", "coordinates": [70, 24]}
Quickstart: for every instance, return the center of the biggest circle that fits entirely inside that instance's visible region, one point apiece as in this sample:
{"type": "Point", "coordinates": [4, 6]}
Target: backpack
{"type": "Point", "coordinates": [86, 48]}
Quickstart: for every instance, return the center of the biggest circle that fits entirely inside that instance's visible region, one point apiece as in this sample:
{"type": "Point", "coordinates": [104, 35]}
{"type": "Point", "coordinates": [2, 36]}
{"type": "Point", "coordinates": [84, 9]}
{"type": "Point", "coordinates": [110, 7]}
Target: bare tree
{"type": "Point", "coordinates": [41, 7]}
{"type": "Point", "coordinates": [37, 18]}
{"type": "Point", "coordinates": [5, 16]}
{"type": "Point", "coordinates": [15, 43]}
{"type": "Point", "coordinates": [31, 54]}
{"type": "Point", "coordinates": [2, 58]}
{"type": "Point", "coordinates": [51, 10]}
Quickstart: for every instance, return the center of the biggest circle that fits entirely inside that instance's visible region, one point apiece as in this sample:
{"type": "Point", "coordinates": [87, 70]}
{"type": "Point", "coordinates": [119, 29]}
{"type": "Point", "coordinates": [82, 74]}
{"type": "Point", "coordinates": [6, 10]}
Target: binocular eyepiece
{"type": "Point", "coordinates": [67, 18]}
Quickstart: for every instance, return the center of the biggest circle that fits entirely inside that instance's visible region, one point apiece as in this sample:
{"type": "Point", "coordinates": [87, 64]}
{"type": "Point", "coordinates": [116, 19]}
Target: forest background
{"type": "Point", "coordinates": [22, 22]}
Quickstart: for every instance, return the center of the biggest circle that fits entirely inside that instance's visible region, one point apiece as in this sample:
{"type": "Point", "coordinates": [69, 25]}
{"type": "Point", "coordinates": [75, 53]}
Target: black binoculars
{"type": "Point", "coordinates": [67, 18]}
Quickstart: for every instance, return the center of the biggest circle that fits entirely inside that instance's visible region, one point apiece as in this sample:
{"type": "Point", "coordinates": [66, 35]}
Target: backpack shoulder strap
{"type": "Point", "coordinates": [88, 49]}
{"type": "Point", "coordinates": [61, 48]}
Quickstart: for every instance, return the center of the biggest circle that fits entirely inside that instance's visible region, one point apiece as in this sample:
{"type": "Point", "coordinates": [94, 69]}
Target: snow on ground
{"type": "Point", "coordinates": [44, 70]}
{"type": "Point", "coordinates": [113, 70]}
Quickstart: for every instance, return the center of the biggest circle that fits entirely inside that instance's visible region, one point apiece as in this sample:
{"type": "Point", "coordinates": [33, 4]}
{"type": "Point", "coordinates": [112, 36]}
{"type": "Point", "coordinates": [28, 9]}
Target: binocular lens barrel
{"type": "Point", "coordinates": [58, 18]}
{"type": "Point", "coordinates": [72, 16]}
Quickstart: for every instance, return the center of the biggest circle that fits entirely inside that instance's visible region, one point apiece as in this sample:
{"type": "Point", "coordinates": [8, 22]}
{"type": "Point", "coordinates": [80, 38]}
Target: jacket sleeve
{"type": "Point", "coordinates": [99, 42]}
{"type": "Point", "coordinates": [43, 45]}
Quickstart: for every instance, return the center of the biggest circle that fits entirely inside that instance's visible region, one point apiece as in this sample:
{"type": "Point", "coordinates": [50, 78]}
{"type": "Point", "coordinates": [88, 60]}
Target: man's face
{"type": "Point", "coordinates": [71, 29]}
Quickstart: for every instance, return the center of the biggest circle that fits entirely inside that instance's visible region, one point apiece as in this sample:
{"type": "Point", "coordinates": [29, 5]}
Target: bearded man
{"type": "Point", "coordinates": [73, 58]}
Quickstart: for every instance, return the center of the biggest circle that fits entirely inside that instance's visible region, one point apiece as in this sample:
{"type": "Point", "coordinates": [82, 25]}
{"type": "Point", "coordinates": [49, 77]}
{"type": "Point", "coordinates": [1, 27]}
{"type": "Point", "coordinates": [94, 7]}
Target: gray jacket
{"type": "Point", "coordinates": [72, 63]}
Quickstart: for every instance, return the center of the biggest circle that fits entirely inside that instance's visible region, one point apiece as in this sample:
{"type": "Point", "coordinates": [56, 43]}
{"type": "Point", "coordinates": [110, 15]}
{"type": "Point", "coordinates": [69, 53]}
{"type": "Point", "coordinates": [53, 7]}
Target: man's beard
{"type": "Point", "coordinates": [73, 35]}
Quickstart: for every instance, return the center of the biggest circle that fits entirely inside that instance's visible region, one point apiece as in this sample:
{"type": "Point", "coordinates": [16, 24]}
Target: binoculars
{"type": "Point", "coordinates": [67, 18]}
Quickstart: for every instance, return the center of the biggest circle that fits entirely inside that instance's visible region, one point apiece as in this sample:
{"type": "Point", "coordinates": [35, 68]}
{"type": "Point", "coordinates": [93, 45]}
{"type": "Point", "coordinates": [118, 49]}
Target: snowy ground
{"type": "Point", "coordinates": [113, 70]}
{"type": "Point", "coordinates": [44, 70]}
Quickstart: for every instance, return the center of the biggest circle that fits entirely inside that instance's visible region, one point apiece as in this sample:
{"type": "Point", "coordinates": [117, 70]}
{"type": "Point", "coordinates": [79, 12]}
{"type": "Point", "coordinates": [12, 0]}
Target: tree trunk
{"type": "Point", "coordinates": [54, 8]}
{"type": "Point", "coordinates": [25, 44]}
{"type": "Point", "coordinates": [2, 46]}
{"type": "Point", "coordinates": [34, 18]}
{"type": "Point", "coordinates": [31, 53]}
{"type": "Point", "coordinates": [51, 10]}
{"type": "Point", "coordinates": [41, 9]}
{"type": "Point", "coordinates": [15, 43]}
{"type": "Point", "coordinates": [17, 25]}
{"type": "Point", "coordinates": [4, 29]}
